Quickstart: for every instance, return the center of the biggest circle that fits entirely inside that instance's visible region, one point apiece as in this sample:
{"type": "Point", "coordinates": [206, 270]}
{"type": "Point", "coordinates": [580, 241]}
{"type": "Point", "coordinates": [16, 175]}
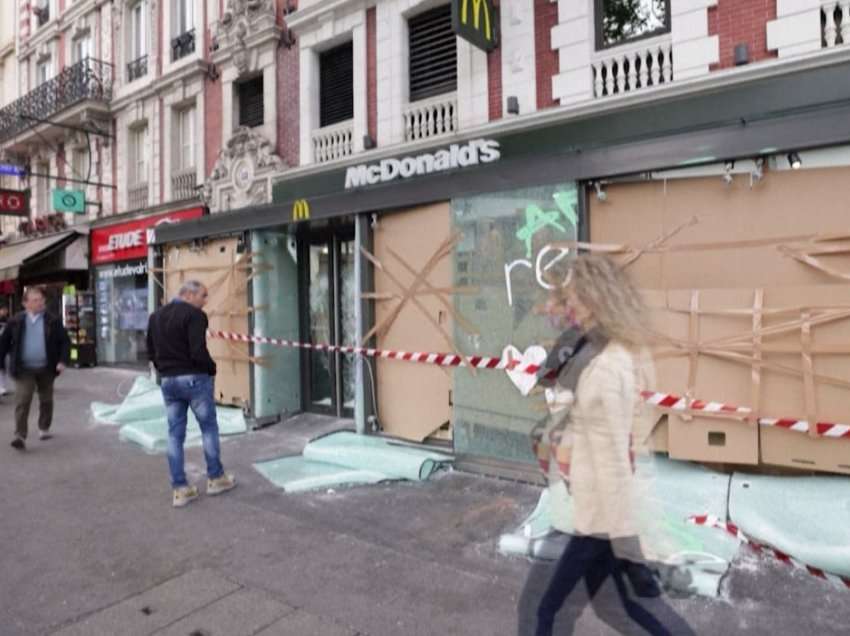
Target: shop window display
{"type": "Point", "coordinates": [122, 314]}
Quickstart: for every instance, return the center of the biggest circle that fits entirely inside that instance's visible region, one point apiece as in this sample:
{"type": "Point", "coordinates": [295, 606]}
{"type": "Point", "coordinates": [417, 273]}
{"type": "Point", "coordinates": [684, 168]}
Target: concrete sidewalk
{"type": "Point", "coordinates": [91, 546]}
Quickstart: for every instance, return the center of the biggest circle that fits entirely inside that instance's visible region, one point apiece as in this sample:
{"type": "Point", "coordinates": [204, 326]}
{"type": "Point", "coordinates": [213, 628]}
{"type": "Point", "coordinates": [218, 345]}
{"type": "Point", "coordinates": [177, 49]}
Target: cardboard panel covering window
{"type": "Point", "coordinates": [413, 399]}
{"type": "Point", "coordinates": [225, 270]}
{"type": "Point", "coordinates": [750, 290]}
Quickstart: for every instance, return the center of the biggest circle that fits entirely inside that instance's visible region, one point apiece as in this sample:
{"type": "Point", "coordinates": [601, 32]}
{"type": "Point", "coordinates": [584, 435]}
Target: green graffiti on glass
{"type": "Point", "coordinates": [537, 219]}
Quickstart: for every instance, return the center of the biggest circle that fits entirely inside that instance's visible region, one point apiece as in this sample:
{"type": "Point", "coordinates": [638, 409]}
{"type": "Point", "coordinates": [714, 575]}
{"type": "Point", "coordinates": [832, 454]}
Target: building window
{"type": "Point", "coordinates": [81, 49]}
{"type": "Point", "coordinates": [433, 53]}
{"type": "Point", "coordinates": [336, 85]}
{"type": "Point", "coordinates": [138, 66]}
{"type": "Point", "coordinates": [251, 102]}
{"type": "Point", "coordinates": [43, 72]}
{"type": "Point", "coordinates": [183, 29]}
{"type": "Point", "coordinates": [41, 10]}
{"type": "Point", "coordinates": [621, 21]}
{"type": "Point", "coordinates": [137, 160]}
{"type": "Point", "coordinates": [185, 138]}
{"type": "Point", "coordinates": [80, 165]}
{"type": "Point", "coordinates": [43, 195]}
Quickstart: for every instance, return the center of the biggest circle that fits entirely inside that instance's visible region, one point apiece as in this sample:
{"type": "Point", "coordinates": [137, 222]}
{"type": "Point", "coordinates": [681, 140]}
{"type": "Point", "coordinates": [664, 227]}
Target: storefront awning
{"type": "Point", "coordinates": [12, 257]}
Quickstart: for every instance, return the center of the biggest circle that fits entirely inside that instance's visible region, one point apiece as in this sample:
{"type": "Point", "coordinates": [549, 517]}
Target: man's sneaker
{"type": "Point", "coordinates": [221, 484]}
{"type": "Point", "coordinates": [44, 435]}
{"type": "Point", "coordinates": [184, 496]}
{"type": "Point", "coordinates": [19, 444]}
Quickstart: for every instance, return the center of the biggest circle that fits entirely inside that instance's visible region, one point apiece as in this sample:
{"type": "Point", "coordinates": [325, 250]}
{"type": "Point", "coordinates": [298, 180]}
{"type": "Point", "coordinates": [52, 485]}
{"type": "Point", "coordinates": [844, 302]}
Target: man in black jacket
{"type": "Point", "coordinates": [38, 346]}
{"type": "Point", "coordinates": [177, 346]}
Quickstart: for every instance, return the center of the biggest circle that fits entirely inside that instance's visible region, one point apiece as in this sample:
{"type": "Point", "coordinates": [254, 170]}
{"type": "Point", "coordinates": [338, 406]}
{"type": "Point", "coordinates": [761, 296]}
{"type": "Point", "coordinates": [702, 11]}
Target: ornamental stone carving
{"type": "Point", "coordinates": [242, 173]}
{"type": "Point", "coordinates": [241, 18]}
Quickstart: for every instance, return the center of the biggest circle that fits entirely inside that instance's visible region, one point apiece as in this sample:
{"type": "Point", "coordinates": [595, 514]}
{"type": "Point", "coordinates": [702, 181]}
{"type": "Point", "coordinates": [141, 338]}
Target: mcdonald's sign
{"type": "Point", "coordinates": [476, 21]}
{"type": "Point", "coordinates": [300, 210]}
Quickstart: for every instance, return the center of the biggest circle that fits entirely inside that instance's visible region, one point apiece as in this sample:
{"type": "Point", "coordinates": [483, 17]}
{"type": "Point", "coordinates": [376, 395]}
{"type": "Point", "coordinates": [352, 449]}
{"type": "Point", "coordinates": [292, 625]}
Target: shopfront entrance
{"type": "Point", "coordinates": [327, 316]}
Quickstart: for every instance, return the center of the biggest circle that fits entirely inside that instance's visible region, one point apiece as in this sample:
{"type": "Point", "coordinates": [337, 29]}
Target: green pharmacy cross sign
{"type": "Point", "coordinates": [69, 201]}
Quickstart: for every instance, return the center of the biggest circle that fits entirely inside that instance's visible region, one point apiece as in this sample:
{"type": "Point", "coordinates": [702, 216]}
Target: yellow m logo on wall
{"type": "Point", "coordinates": [478, 7]}
{"type": "Point", "coordinates": [300, 210]}
{"type": "Point", "coordinates": [476, 21]}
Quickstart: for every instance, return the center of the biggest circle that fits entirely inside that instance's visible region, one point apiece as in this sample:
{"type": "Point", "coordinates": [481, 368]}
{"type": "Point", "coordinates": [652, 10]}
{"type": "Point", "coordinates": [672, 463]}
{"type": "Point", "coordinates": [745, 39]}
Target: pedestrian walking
{"type": "Point", "coordinates": [37, 345]}
{"type": "Point", "coordinates": [595, 426]}
{"type": "Point", "coordinates": [177, 346]}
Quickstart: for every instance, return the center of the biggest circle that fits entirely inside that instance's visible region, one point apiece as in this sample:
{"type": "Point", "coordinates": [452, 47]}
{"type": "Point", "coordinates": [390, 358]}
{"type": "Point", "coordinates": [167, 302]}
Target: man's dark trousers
{"type": "Point", "coordinates": [26, 384]}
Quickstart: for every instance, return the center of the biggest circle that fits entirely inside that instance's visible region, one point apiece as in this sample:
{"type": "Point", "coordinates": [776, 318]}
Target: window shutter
{"type": "Point", "coordinates": [251, 102]}
{"type": "Point", "coordinates": [433, 53]}
{"type": "Point", "coordinates": [336, 85]}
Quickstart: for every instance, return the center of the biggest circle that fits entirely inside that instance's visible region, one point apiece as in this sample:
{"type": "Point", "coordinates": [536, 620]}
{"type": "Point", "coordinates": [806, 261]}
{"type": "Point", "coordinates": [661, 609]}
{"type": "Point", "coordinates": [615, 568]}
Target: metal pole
{"type": "Point", "coordinates": [70, 180]}
{"type": "Point", "coordinates": [92, 131]}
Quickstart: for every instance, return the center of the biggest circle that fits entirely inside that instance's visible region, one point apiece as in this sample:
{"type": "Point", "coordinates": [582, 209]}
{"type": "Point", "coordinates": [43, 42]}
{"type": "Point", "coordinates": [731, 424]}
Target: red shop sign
{"type": "Point", "coordinates": [127, 241]}
{"type": "Point", "coordinates": [14, 202]}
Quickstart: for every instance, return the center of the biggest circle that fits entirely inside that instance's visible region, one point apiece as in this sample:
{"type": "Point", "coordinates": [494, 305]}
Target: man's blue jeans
{"type": "Point", "coordinates": [182, 392]}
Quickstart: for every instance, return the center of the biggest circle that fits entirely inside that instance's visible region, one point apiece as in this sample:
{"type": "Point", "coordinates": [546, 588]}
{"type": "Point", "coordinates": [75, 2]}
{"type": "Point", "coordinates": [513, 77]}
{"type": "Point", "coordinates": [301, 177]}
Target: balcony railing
{"type": "Point", "coordinates": [430, 117]}
{"type": "Point", "coordinates": [183, 184]}
{"type": "Point", "coordinates": [87, 79]}
{"type": "Point", "coordinates": [137, 68]}
{"type": "Point", "coordinates": [137, 196]}
{"type": "Point", "coordinates": [632, 67]}
{"type": "Point", "coordinates": [835, 23]}
{"type": "Point", "coordinates": [333, 142]}
{"type": "Point", "coordinates": [183, 45]}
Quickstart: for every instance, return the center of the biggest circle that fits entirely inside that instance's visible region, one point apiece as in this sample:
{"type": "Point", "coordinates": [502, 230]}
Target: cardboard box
{"type": "Point", "coordinates": [781, 447]}
{"type": "Point", "coordinates": [715, 440]}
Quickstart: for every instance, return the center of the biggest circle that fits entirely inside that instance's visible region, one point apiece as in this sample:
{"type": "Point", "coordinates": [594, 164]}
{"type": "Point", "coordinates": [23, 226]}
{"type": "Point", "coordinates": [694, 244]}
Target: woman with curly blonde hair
{"type": "Point", "coordinates": [594, 375]}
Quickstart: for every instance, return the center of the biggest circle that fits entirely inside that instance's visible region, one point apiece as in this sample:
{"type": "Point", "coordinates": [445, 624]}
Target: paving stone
{"type": "Point", "coordinates": [243, 613]}
{"type": "Point", "coordinates": [300, 623]}
{"type": "Point", "coordinates": [156, 608]}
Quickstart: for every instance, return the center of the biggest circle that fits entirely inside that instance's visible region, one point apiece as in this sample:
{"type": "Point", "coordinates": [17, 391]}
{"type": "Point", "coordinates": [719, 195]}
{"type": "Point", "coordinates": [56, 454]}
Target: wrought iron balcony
{"type": "Point", "coordinates": [88, 79]}
{"type": "Point", "coordinates": [137, 68]}
{"type": "Point", "coordinates": [183, 45]}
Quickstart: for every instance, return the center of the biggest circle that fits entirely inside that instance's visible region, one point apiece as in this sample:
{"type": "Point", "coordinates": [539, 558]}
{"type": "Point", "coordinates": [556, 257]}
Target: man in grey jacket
{"type": "Point", "coordinates": [37, 345]}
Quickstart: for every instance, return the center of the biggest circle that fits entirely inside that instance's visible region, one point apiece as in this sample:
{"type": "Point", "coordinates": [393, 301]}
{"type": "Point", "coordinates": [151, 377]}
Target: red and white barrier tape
{"type": "Point", "coordinates": [730, 528]}
{"type": "Point", "coordinates": [676, 403]}
{"type": "Point", "coordinates": [439, 359]}
{"type": "Point", "coordinates": [660, 400]}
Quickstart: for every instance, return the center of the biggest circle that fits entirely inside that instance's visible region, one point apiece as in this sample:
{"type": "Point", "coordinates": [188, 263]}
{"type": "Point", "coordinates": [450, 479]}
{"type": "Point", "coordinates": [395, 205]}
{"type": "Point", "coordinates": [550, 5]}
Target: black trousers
{"type": "Point", "coordinates": [594, 561]}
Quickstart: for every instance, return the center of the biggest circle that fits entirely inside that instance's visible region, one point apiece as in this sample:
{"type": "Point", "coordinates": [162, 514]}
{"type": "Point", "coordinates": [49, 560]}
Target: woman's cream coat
{"type": "Point", "coordinates": [606, 419]}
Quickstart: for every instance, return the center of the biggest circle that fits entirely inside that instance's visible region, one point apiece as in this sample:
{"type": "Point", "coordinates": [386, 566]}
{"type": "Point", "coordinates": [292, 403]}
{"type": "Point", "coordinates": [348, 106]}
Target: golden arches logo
{"type": "Point", "coordinates": [300, 210]}
{"type": "Point", "coordinates": [478, 7]}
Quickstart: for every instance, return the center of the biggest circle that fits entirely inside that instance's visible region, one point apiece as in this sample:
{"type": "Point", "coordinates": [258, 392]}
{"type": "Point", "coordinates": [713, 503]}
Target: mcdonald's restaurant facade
{"type": "Point", "coordinates": [439, 247]}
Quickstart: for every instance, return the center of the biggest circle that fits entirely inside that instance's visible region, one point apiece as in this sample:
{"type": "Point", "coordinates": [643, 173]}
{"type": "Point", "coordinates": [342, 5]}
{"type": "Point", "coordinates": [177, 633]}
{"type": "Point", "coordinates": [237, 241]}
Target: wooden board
{"type": "Point", "coordinates": [224, 271]}
{"type": "Point", "coordinates": [413, 399]}
{"type": "Point", "coordinates": [733, 241]}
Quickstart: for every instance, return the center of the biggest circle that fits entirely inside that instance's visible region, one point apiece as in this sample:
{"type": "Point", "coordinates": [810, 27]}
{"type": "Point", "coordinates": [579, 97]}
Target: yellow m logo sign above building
{"type": "Point", "coordinates": [300, 210]}
{"type": "Point", "coordinates": [478, 7]}
{"type": "Point", "coordinates": [476, 21]}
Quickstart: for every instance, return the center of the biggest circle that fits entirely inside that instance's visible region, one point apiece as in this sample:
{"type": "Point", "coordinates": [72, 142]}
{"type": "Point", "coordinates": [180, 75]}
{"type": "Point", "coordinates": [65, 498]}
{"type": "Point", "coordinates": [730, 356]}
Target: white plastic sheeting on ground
{"type": "Point", "coordinates": [143, 421]}
{"type": "Point", "coordinates": [345, 458]}
{"type": "Point", "coordinates": [805, 517]}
